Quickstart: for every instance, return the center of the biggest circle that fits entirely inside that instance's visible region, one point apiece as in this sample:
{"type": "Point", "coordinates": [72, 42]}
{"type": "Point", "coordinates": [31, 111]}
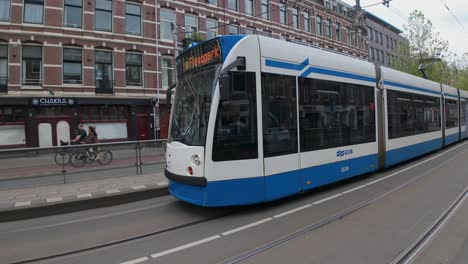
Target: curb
{"type": "Point", "coordinates": [18, 214]}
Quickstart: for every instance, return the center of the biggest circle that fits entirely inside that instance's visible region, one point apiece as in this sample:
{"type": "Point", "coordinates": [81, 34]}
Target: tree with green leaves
{"type": "Point", "coordinates": [423, 44]}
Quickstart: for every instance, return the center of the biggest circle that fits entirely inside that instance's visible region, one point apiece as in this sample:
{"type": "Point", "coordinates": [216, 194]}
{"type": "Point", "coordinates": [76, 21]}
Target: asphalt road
{"type": "Point", "coordinates": [372, 219]}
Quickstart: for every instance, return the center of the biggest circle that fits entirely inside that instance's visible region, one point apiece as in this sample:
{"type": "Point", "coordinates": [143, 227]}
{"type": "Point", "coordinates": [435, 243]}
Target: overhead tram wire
{"type": "Point", "coordinates": [454, 16]}
{"type": "Point", "coordinates": [243, 19]}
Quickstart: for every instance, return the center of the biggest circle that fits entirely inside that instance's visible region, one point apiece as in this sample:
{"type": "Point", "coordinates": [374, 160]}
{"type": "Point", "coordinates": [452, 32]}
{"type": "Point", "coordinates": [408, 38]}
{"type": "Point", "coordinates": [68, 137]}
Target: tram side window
{"type": "Point", "coordinates": [279, 114]}
{"type": "Point", "coordinates": [236, 123]}
{"type": "Point", "coordinates": [462, 113]}
{"type": "Point", "coordinates": [411, 114]}
{"type": "Point", "coordinates": [334, 114]}
{"type": "Point", "coordinates": [451, 113]}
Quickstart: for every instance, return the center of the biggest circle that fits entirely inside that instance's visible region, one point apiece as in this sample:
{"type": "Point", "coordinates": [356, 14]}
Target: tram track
{"type": "Point", "coordinates": [118, 241]}
{"type": "Point", "coordinates": [347, 212]}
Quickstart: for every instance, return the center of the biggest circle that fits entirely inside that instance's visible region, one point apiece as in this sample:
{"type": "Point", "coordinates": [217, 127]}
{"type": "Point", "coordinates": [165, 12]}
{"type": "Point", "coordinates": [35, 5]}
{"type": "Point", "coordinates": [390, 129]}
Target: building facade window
{"type": "Point", "coordinates": [233, 30]}
{"type": "Point", "coordinates": [381, 38]}
{"type": "Point", "coordinates": [372, 53]}
{"type": "Point", "coordinates": [32, 65]}
{"type": "Point", "coordinates": [329, 30]}
{"type": "Point", "coordinates": [349, 36]}
{"type": "Point", "coordinates": [103, 15]}
{"type": "Point", "coordinates": [233, 5]}
{"type": "Point", "coordinates": [132, 19]}
{"type": "Point", "coordinates": [376, 36]}
{"type": "Point", "coordinates": [306, 22]}
{"type": "Point", "coordinates": [283, 14]}
{"type": "Point", "coordinates": [211, 28]}
{"type": "Point", "coordinates": [133, 69]}
{"type": "Point", "coordinates": [250, 7]}
{"type": "Point", "coordinates": [387, 41]}
{"type": "Point", "coordinates": [4, 10]}
{"type": "Point", "coordinates": [165, 27]}
{"type": "Point", "coordinates": [378, 54]}
{"type": "Point", "coordinates": [212, 2]}
{"type": "Point", "coordinates": [3, 66]}
{"type": "Point", "coordinates": [319, 26]}
{"type": "Point", "coordinates": [72, 65]}
{"type": "Point", "coordinates": [249, 31]}
{"type": "Point", "coordinates": [338, 32]}
{"type": "Point", "coordinates": [191, 25]}
{"type": "Point", "coordinates": [33, 11]}
{"type": "Point", "coordinates": [167, 67]}
{"type": "Point", "coordinates": [103, 70]}
{"type": "Point", "coordinates": [73, 13]}
{"type": "Point", "coordinates": [265, 9]}
{"type": "Point", "coordinates": [371, 34]}
{"type": "Point", "coordinates": [295, 14]}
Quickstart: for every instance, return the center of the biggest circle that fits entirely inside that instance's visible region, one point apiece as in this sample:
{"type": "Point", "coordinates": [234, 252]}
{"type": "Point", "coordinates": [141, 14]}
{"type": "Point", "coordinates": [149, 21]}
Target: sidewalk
{"type": "Point", "coordinates": [43, 197]}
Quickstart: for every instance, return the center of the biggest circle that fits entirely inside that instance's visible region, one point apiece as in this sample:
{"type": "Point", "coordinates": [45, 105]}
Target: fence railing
{"type": "Point", "coordinates": [61, 164]}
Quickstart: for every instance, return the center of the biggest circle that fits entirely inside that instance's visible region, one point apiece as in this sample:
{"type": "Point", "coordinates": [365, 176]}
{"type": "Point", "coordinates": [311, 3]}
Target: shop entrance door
{"type": "Point", "coordinates": [143, 126]}
{"type": "Point", "coordinates": [45, 135]}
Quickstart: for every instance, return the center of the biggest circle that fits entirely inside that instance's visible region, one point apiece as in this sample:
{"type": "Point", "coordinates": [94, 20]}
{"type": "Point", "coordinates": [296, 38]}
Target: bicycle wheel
{"type": "Point", "coordinates": [105, 157]}
{"type": "Point", "coordinates": [90, 157]}
{"type": "Point", "coordinates": [78, 159]}
{"type": "Point", "coordinates": [62, 158]}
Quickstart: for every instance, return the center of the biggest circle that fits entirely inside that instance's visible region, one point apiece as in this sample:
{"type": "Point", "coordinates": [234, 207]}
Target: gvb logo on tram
{"type": "Point", "coordinates": [342, 153]}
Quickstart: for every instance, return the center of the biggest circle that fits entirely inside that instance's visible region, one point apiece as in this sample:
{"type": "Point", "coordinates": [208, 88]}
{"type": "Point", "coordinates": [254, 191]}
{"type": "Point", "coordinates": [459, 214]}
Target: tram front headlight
{"type": "Point", "coordinates": [195, 160]}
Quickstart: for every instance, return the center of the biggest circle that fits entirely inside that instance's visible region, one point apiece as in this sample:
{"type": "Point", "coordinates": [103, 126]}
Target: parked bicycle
{"type": "Point", "coordinates": [78, 157]}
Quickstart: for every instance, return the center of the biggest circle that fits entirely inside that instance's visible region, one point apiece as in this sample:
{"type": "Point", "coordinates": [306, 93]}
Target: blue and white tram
{"type": "Point", "coordinates": [255, 119]}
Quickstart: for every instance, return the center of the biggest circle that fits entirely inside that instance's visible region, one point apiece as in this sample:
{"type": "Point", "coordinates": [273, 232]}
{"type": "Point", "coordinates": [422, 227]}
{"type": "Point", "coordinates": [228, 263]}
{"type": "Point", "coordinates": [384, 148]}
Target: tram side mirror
{"type": "Point", "coordinates": [224, 86]}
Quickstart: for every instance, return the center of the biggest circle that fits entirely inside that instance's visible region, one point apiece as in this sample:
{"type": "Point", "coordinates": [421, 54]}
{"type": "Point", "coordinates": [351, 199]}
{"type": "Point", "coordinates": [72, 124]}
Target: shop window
{"type": "Point", "coordinates": [167, 19]}
{"type": "Point", "coordinates": [334, 114]}
{"type": "Point", "coordinates": [103, 71]}
{"type": "Point", "coordinates": [32, 65]}
{"type": "Point", "coordinates": [411, 114]}
{"type": "Point", "coordinates": [103, 15]}
{"type": "Point", "coordinates": [191, 26]}
{"type": "Point", "coordinates": [104, 113]}
{"type": "Point", "coordinates": [72, 62]}
{"type": "Point", "coordinates": [279, 114]}
{"type": "Point", "coordinates": [3, 66]}
{"type": "Point", "coordinates": [233, 30]}
{"type": "Point", "coordinates": [4, 10]}
{"type": "Point", "coordinates": [133, 19]}
{"type": "Point", "coordinates": [73, 13]}
{"type": "Point", "coordinates": [11, 115]}
{"type": "Point", "coordinates": [211, 28]}
{"type": "Point", "coordinates": [33, 11]}
{"type": "Point", "coordinates": [133, 65]}
{"type": "Point", "coordinates": [265, 9]}
{"type": "Point", "coordinates": [167, 68]}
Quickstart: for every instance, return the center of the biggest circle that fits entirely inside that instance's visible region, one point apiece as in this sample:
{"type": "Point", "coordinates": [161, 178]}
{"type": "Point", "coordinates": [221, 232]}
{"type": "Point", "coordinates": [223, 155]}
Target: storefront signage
{"type": "Point", "coordinates": [205, 54]}
{"type": "Point", "coordinates": [52, 101]}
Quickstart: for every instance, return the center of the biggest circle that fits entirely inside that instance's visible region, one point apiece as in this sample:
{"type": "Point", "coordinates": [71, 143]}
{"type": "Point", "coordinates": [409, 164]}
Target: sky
{"type": "Point", "coordinates": [442, 20]}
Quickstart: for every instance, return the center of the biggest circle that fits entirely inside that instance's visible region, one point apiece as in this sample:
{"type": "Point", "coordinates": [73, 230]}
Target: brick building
{"type": "Point", "coordinates": [109, 62]}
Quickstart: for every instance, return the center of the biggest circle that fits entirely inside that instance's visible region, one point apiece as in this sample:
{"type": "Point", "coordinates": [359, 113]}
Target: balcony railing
{"type": "Point", "coordinates": [3, 84]}
{"type": "Point", "coordinates": [104, 86]}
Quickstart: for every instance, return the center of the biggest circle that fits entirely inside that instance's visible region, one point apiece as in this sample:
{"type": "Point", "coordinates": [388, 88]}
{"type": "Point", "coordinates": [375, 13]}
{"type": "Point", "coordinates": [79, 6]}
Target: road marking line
{"type": "Point", "coordinates": [292, 211]}
{"type": "Point", "coordinates": [354, 189]}
{"type": "Point", "coordinates": [232, 231]}
{"type": "Point", "coordinates": [54, 199]}
{"type": "Point", "coordinates": [138, 187]}
{"type": "Point", "coordinates": [327, 199]}
{"type": "Point", "coordinates": [162, 183]}
{"type": "Point", "coordinates": [135, 261]}
{"type": "Point", "coordinates": [25, 203]}
{"type": "Point", "coordinates": [84, 195]}
{"type": "Point", "coordinates": [112, 191]}
{"type": "Point", "coordinates": [189, 245]}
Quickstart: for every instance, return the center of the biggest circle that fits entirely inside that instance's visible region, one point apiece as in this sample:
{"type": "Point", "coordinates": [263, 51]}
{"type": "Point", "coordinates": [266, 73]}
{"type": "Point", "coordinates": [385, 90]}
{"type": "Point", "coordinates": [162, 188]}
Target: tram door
{"type": "Point", "coordinates": [280, 144]}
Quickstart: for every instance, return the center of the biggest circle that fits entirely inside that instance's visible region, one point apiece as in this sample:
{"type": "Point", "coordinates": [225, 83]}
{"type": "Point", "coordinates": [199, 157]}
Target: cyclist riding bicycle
{"type": "Point", "coordinates": [92, 138]}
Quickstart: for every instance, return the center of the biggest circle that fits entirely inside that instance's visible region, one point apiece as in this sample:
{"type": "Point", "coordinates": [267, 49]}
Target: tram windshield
{"type": "Point", "coordinates": [198, 70]}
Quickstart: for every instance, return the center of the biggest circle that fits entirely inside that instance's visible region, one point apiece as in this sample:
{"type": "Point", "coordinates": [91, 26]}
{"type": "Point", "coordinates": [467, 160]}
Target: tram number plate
{"type": "Point", "coordinates": [344, 169]}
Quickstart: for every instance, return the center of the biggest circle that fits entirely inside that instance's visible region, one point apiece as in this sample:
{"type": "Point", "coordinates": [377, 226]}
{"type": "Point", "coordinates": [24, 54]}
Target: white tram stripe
{"type": "Point", "coordinates": [235, 230]}
{"type": "Point", "coordinates": [135, 261]}
{"type": "Point", "coordinates": [189, 245]}
{"type": "Point", "coordinates": [292, 211]}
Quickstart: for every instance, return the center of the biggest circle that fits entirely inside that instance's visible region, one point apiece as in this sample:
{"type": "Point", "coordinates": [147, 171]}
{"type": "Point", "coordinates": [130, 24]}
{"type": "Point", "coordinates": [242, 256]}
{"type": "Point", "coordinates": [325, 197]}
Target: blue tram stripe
{"type": "Point", "coordinates": [337, 74]}
{"type": "Point", "coordinates": [410, 87]}
{"type": "Point", "coordinates": [287, 65]}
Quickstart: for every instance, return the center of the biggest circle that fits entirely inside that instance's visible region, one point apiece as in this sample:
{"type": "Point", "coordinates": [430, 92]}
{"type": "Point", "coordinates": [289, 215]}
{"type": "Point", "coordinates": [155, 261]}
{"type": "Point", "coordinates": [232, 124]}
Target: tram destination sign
{"type": "Point", "coordinates": [52, 101]}
{"type": "Point", "coordinates": [205, 54]}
